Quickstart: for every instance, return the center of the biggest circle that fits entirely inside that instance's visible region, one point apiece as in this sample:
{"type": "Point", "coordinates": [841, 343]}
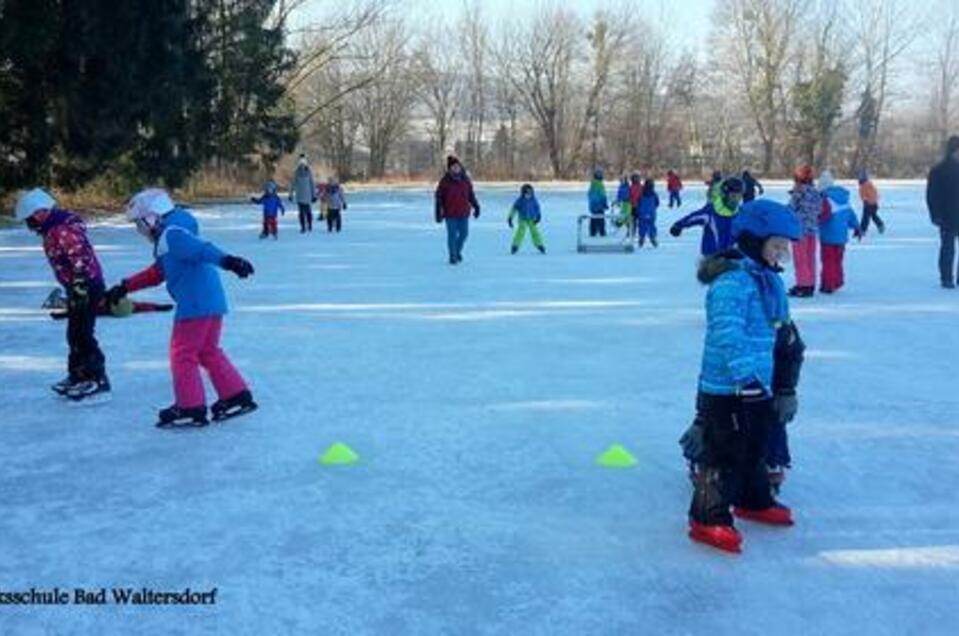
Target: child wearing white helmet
{"type": "Point", "coordinates": [742, 398]}
{"type": "Point", "coordinates": [75, 264]}
{"type": "Point", "coordinates": [189, 265]}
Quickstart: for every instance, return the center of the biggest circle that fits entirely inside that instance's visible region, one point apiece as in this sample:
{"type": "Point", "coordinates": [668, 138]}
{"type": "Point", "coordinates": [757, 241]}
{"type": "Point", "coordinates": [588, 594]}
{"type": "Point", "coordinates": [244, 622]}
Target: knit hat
{"type": "Point", "coordinates": [804, 174]}
{"type": "Point", "coordinates": [451, 160]}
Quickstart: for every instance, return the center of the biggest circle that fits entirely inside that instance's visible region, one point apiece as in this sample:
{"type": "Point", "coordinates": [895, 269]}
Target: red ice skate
{"type": "Point", "coordinates": [725, 538]}
{"type": "Point", "coordinates": [775, 515]}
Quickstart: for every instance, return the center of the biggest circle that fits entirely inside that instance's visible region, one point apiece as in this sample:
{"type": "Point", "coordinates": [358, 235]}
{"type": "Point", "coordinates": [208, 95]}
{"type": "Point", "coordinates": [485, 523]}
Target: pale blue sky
{"type": "Point", "coordinates": [686, 22]}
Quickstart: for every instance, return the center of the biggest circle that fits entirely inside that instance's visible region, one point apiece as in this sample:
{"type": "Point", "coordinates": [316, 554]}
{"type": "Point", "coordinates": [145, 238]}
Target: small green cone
{"type": "Point", "coordinates": [616, 456]}
{"type": "Point", "coordinates": [339, 454]}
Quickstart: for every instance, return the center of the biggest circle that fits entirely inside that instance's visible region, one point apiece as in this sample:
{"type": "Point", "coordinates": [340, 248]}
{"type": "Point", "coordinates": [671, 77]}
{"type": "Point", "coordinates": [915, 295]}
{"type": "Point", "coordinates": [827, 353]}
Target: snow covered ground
{"type": "Point", "coordinates": [478, 398]}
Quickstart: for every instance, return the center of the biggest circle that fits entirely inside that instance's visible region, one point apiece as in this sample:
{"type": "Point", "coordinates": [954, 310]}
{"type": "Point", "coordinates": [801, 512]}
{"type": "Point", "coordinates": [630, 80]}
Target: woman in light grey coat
{"type": "Point", "coordinates": [303, 192]}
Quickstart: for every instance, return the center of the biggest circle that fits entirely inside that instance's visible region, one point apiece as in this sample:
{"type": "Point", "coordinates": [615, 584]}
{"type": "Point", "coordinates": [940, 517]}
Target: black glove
{"type": "Point", "coordinates": [239, 266]}
{"type": "Point", "coordinates": [475, 213]}
{"type": "Point", "coordinates": [753, 392]}
{"type": "Point", "coordinates": [314, 200]}
{"type": "Point", "coordinates": [253, 200]}
{"type": "Point", "coordinates": [675, 230]}
{"type": "Point", "coordinates": [509, 222]}
{"type": "Point", "coordinates": [439, 217]}
{"type": "Point", "coordinates": [692, 441]}
{"type": "Point", "coordinates": [78, 296]}
{"type": "Point", "coordinates": [786, 405]}
{"type": "Point", "coordinates": [115, 294]}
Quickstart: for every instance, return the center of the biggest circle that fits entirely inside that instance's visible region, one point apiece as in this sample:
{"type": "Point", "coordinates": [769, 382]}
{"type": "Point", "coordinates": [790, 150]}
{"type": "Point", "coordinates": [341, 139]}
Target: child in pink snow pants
{"type": "Point", "coordinates": [189, 265]}
{"type": "Point", "coordinates": [806, 202]}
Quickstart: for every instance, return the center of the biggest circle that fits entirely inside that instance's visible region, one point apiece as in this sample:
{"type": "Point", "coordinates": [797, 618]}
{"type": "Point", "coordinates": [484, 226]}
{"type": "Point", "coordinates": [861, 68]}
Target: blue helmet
{"type": "Point", "coordinates": [764, 218]}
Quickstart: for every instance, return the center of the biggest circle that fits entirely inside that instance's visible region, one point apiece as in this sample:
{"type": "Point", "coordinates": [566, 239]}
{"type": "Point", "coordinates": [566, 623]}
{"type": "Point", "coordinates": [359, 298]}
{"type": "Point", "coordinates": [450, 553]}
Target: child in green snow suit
{"type": "Point", "coordinates": [526, 208]}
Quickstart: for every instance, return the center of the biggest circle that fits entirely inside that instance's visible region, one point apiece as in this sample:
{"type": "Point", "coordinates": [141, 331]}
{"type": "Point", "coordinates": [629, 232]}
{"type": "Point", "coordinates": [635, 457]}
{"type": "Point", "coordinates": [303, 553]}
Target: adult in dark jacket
{"type": "Point", "coordinates": [942, 197]}
{"type": "Point", "coordinates": [454, 200]}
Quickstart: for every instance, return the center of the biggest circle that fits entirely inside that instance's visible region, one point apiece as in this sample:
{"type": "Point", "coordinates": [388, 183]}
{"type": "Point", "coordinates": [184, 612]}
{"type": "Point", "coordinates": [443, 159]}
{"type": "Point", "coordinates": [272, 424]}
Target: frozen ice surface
{"type": "Point", "coordinates": [478, 397]}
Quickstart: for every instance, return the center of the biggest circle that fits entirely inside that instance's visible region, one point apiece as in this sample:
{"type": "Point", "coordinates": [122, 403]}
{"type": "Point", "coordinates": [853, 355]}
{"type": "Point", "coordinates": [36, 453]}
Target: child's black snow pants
{"type": "Point", "coordinates": [733, 463]}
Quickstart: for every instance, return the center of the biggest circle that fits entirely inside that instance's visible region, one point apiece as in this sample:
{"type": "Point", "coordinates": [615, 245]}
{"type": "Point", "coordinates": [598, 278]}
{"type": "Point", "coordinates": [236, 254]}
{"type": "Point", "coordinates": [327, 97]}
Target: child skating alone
{"type": "Point", "coordinates": [869, 196]}
{"type": "Point", "coordinates": [737, 403]}
{"type": "Point", "coordinates": [675, 187]}
{"type": "Point", "coordinates": [188, 265]}
{"type": "Point", "coordinates": [527, 215]}
{"type": "Point", "coordinates": [598, 204]}
{"type": "Point", "coordinates": [646, 215]}
{"type": "Point", "coordinates": [272, 205]}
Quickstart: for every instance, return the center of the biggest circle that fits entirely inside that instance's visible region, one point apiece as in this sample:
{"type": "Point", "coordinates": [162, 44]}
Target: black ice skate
{"type": "Point", "coordinates": [89, 391]}
{"type": "Point", "coordinates": [64, 385]}
{"type": "Point", "coordinates": [177, 417]}
{"type": "Point", "coordinates": [235, 406]}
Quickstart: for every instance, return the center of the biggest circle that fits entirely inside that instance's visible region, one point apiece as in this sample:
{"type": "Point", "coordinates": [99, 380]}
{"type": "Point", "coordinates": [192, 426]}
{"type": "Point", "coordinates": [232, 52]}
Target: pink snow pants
{"type": "Point", "coordinates": [804, 257]}
{"type": "Point", "coordinates": [196, 343]}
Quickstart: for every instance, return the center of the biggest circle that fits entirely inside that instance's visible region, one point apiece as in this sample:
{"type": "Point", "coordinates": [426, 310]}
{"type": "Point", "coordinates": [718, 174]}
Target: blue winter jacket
{"type": "Point", "coordinates": [740, 330]}
{"type": "Point", "coordinates": [717, 228]}
{"type": "Point", "coordinates": [189, 265]}
{"type": "Point", "coordinates": [528, 209]}
{"type": "Point", "coordinates": [842, 218]}
{"type": "Point", "coordinates": [598, 204]}
{"type": "Point", "coordinates": [272, 204]}
{"type": "Point", "coordinates": [648, 204]}
{"type": "Point", "coordinates": [622, 194]}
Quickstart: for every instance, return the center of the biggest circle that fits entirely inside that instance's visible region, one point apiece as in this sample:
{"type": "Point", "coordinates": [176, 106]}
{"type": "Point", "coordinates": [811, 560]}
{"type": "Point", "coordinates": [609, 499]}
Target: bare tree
{"type": "Point", "coordinates": [327, 42]}
{"type": "Point", "coordinates": [818, 93]}
{"type": "Point", "coordinates": [385, 103]}
{"type": "Point", "coordinates": [437, 69]}
{"type": "Point", "coordinates": [474, 44]}
{"type": "Point", "coordinates": [758, 54]}
{"type": "Point", "coordinates": [945, 39]}
{"type": "Point", "coordinates": [559, 79]}
{"type": "Point", "coordinates": [886, 29]}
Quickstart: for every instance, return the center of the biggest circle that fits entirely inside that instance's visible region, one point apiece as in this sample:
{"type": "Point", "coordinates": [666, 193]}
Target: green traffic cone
{"type": "Point", "coordinates": [616, 456]}
{"type": "Point", "coordinates": [338, 454]}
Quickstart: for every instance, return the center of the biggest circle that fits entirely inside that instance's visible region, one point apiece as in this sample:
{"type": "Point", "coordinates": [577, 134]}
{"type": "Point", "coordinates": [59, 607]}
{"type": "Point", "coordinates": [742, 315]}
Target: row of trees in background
{"type": "Point", "coordinates": [141, 92]}
{"type": "Point", "coordinates": [845, 83]}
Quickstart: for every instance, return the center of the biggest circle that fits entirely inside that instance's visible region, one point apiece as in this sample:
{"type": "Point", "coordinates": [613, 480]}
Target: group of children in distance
{"type": "Point", "coordinates": [304, 192]}
{"type": "Point", "coordinates": [185, 262]}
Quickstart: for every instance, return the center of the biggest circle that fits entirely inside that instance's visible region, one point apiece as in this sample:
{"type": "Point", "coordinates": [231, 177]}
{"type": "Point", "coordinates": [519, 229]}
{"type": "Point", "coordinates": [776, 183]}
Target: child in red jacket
{"type": "Point", "coordinates": [76, 267]}
{"type": "Point", "coordinates": [675, 185]}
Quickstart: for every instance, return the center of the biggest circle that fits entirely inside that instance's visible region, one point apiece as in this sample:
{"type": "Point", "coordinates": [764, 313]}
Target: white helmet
{"type": "Point", "coordinates": [33, 201]}
{"type": "Point", "coordinates": [152, 202]}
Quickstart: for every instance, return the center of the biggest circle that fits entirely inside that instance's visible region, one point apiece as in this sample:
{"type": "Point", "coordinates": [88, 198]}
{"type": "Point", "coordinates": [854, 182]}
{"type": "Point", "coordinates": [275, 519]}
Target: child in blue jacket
{"type": "Point", "coordinates": [272, 204]}
{"type": "Point", "coordinates": [526, 210]}
{"type": "Point", "coordinates": [648, 204]}
{"type": "Point", "coordinates": [188, 265]}
{"type": "Point", "coordinates": [739, 401]}
{"type": "Point", "coordinates": [598, 204]}
{"type": "Point", "coordinates": [836, 221]}
{"type": "Point", "coordinates": [716, 217]}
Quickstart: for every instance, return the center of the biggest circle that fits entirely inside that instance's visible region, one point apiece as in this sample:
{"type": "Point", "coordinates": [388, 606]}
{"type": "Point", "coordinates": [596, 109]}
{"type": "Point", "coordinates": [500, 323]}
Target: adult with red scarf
{"type": "Point", "coordinates": [454, 201]}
